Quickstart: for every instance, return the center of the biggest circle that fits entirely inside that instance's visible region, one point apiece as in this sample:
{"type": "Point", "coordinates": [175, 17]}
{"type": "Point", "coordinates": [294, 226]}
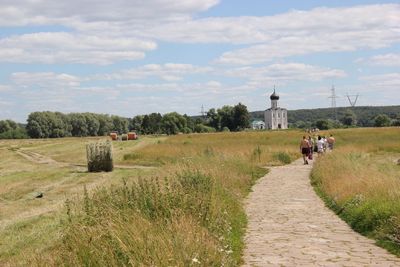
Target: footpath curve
{"type": "Point", "coordinates": [289, 225]}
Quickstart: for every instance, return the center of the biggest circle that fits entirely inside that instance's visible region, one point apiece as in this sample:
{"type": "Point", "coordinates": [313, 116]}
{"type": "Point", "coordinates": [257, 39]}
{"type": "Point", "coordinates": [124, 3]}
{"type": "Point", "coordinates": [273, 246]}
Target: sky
{"type": "Point", "coordinates": [132, 57]}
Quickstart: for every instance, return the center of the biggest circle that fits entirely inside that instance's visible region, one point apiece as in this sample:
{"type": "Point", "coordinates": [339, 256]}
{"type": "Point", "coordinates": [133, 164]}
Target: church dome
{"type": "Point", "coordinates": [274, 96]}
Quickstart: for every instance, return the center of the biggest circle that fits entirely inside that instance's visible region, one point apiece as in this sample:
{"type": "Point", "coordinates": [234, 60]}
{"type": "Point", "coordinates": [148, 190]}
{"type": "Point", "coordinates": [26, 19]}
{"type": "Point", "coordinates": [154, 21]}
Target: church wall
{"type": "Point", "coordinates": [274, 117]}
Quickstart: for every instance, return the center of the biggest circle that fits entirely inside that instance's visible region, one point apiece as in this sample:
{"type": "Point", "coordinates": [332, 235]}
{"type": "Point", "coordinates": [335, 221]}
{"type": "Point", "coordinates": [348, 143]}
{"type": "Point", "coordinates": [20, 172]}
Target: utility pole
{"type": "Point", "coordinates": [202, 112]}
{"type": "Point", "coordinates": [333, 102]}
{"type": "Point", "coordinates": [353, 102]}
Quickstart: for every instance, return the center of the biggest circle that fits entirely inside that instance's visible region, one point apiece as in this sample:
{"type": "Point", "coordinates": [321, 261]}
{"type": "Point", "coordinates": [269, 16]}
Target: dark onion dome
{"type": "Point", "coordinates": [274, 96]}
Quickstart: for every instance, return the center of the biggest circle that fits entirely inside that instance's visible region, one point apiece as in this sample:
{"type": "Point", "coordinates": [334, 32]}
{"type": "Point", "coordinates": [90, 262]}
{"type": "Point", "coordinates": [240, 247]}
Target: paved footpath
{"type": "Point", "coordinates": [289, 225]}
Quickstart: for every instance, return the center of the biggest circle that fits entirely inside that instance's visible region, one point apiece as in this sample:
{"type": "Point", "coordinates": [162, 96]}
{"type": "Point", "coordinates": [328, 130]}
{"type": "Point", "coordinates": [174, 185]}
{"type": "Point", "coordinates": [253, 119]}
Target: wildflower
{"type": "Point", "coordinates": [195, 260]}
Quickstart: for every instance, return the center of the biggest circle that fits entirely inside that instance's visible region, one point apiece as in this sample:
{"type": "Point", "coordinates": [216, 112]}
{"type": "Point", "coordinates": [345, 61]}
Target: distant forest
{"type": "Point", "coordinates": [363, 116]}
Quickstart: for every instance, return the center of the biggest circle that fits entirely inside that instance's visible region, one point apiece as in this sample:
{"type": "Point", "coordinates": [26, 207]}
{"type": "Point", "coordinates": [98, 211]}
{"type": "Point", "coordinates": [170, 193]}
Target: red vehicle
{"type": "Point", "coordinates": [132, 136]}
{"type": "Point", "coordinates": [114, 136]}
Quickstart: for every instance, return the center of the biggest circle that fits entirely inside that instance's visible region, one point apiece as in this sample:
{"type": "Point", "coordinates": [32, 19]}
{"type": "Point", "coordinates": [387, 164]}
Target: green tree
{"type": "Point", "coordinates": [105, 124]}
{"type": "Point", "coordinates": [173, 123]}
{"type": "Point", "coordinates": [241, 117]}
{"type": "Point", "coordinates": [38, 126]}
{"type": "Point", "coordinates": [93, 124]}
{"type": "Point", "coordinates": [135, 124]}
{"type": "Point", "coordinates": [78, 124]}
{"type": "Point", "coordinates": [11, 130]}
{"type": "Point", "coordinates": [382, 120]}
{"type": "Point", "coordinates": [155, 123]}
{"type": "Point", "coordinates": [322, 124]}
{"type": "Point", "coordinates": [396, 122]}
{"type": "Point", "coordinates": [4, 126]}
{"type": "Point", "coordinates": [121, 125]}
{"type": "Point", "coordinates": [349, 118]}
{"type": "Point", "coordinates": [214, 119]}
{"type": "Point", "coordinates": [226, 115]}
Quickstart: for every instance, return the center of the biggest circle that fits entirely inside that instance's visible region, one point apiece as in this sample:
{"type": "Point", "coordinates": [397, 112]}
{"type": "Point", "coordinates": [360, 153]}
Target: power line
{"type": "Point", "coordinates": [333, 102]}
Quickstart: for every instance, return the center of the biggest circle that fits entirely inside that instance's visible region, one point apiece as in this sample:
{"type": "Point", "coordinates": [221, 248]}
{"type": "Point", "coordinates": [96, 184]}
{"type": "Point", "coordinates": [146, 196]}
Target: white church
{"type": "Point", "coordinates": [275, 117]}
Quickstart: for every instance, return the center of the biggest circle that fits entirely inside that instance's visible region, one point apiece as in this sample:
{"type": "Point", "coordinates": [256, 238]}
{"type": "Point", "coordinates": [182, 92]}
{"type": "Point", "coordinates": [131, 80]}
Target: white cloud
{"type": "Point", "coordinates": [42, 12]}
{"type": "Point", "coordinates": [387, 60]}
{"type": "Point", "coordinates": [287, 72]}
{"type": "Point", "coordinates": [381, 82]}
{"type": "Point", "coordinates": [321, 30]}
{"type": "Point", "coordinates": [5, 88]}
{"type": "Point", "coordinates": [62, 47]}
{"type": "Point", "coordinates": [169, 72]}
{"type": "Point", "coordinates": [49, 80]}
{"type": "Point", "coordinates": [359, 20]}
{"type": "Point", "coordinates": [105, 32]}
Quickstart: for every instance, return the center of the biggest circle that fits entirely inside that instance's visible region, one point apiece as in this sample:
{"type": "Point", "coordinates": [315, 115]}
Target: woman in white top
{"type": "Point", "coordinates": [320, 145]}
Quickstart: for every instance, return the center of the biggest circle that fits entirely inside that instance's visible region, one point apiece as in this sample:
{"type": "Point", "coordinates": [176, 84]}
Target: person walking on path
{"type": "Point", "coordinates": [311, 145]}
{"type": "Point", "coordinates": [305, 149]}
{"type": "Point", "coordinates": [331, 142]}
{"type": "Point", "coordinates": [320, 145]}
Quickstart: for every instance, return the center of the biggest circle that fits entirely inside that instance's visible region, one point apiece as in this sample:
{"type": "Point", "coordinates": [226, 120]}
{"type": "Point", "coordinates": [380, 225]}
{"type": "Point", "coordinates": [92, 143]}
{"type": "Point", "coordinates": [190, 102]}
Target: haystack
{"type": "Point", "coordinates": [99, 156]}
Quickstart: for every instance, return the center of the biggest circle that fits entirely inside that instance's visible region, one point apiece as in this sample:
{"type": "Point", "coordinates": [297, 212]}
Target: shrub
{"type": "Point", "coordinates": [18, 133]}
{"type": "Point", "coordinates": [381, 120]}
{"type": "Point", "coordinates": [200, 128]}
{"type": "Point", "coordinates": [282, 157]}
{"type": "Point", "coordinates": [131, 156]}
{"type": "Point", "coordinates": [99, 156]}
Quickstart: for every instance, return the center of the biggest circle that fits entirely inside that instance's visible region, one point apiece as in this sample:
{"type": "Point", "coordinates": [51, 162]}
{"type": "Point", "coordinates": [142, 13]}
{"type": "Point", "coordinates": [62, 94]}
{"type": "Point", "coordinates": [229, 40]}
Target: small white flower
{"type": "Point", "coordinates": [195, 260]}
{"type": "Point", "coordinates": [229, 251]}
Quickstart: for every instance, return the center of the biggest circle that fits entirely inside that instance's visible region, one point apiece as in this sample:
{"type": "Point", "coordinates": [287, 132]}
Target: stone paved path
{"type": "Point", "coordinates": [290, 226]}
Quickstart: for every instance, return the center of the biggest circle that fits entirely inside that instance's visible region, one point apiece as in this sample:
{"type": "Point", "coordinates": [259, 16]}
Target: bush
{"type": "Point", "coordinates": [200, 128]}
{"type": "Point", "coordinates": [382, 120]}
{"type": "Point", "coordinates": [99, 156]}
{"type": "Point", "coordinates": [18, 133]}
{"type": "Point", "coordinates": [282, 157]}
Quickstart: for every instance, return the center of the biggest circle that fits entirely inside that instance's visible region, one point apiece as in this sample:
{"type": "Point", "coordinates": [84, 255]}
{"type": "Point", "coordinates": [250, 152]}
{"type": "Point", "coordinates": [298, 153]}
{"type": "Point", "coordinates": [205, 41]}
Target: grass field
{"type": "Point", "coordinates": [56, 168]}
{"type": "Point", "coordinates": [361, 182]}
{"type": "Point", "coordinates": [177, 201]}
{"type": "Point", "coordinates": [169, 201]}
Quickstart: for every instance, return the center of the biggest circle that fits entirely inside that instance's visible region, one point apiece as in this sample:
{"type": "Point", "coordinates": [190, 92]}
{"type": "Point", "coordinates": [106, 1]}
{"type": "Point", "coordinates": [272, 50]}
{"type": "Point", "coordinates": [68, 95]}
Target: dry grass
{"type": "Point", "coordinates": [231, 160]}
{"type": "Point", "coordinates": [28, 225]}
{"type": "Point", "coordinates": [361, 181]}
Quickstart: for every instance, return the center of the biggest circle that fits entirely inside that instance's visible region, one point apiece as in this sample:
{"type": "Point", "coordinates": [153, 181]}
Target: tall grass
{"type": "Point", "coordinates": [188, 213]}
{"type": "Point", "coordinates": [361, 182]}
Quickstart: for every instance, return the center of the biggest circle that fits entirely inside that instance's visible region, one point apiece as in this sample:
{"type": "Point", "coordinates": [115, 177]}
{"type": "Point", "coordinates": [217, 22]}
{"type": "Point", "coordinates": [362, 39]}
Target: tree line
{"type": "Point", "coordinates": [11, 130]}
{"type": "Point", "coordinates": [322, 118]}
{"type": "Point", "coordinates": [48, 124]}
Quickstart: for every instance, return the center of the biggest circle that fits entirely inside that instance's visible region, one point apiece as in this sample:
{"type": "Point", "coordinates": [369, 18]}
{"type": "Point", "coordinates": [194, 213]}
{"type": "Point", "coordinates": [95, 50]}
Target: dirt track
{"type": "Point", "coordinates": [289, 225]}
{"type": "Point", "coordinates": [41, 159]}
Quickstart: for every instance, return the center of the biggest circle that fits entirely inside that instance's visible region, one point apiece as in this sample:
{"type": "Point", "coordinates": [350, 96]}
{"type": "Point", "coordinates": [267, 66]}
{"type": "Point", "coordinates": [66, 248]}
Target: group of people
{"type": "Point", "coordinates": [319, 144]}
